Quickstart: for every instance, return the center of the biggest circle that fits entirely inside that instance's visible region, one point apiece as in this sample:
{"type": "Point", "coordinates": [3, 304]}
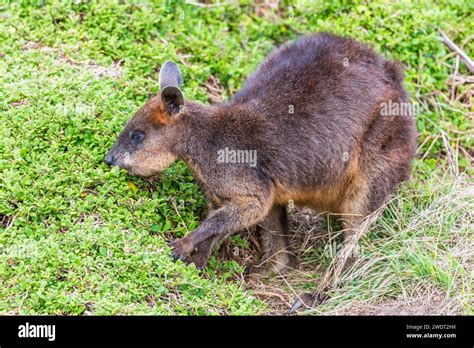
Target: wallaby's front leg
{"type": "Point", "coordinates": [230, 218]}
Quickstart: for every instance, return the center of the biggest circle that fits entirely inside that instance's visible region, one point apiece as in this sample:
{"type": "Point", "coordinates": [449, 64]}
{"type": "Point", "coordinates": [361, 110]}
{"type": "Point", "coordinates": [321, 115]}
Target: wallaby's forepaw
{"type": "Point", "coordinates": [199, 258]}
{"type": "Point", "coordinates": [182, 248]}
{"type": "Point", "coordinates": [307, 300]}
{"type": "Point", "coordinates": [199, 255]}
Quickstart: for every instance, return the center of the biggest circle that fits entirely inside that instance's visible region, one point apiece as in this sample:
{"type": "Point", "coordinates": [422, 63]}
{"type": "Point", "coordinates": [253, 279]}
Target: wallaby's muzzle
{"type": "Point", "coordinates": [109, 159]}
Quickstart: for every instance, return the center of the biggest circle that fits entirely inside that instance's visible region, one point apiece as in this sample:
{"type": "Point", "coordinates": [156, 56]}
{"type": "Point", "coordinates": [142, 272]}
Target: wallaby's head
{"type": "Point", "coordinates": [142, 147]}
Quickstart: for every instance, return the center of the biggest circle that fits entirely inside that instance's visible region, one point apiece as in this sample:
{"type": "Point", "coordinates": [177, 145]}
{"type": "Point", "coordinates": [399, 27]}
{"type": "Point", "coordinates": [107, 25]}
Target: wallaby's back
{"type": "Point", "coordinates": [322, 96]}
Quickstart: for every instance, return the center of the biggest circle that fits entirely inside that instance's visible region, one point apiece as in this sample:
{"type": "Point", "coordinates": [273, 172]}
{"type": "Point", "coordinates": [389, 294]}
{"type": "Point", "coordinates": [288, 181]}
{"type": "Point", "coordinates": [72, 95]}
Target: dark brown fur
{"type": "Point", "coordinates": [335, 152]}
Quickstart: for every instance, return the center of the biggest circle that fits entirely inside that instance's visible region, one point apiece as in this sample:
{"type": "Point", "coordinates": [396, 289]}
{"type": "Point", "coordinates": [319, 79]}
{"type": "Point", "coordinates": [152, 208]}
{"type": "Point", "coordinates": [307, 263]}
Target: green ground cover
{"type": "Point", "coordinates": [80, 238]}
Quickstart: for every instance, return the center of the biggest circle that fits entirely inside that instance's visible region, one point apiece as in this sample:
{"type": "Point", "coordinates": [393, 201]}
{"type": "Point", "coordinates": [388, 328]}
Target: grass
{"type": "Point", "coordinates": [79, 238]}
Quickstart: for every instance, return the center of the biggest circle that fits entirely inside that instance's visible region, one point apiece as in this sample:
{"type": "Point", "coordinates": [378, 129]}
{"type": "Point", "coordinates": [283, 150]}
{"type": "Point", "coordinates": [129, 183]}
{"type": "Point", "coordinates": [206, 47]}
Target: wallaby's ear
{"type": "Point", "coordinates": [172, 99]}
{"type": "Point", "coordinates": [170, 81]}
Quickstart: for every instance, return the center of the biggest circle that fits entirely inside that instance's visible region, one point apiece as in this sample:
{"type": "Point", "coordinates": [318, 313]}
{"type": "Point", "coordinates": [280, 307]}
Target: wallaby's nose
{"type": "Point", "coordinates": [109, 159]}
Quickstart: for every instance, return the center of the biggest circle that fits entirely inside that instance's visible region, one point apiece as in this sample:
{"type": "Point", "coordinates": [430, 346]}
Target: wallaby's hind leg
{"type": "Point", "coordinates": [277, 256]}
{"type": "Point", "coordinates": [361, 199]}
{"type": "Point", "coordinates": [352, 213]}
{"type": "Point", "coordinates": [350, 224]}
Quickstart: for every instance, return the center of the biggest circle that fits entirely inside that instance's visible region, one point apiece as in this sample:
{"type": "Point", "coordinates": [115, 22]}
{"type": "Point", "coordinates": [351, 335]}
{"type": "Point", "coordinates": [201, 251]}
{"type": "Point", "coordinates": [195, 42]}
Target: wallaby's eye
{"type": "Point", "coordinates": [137, 136]}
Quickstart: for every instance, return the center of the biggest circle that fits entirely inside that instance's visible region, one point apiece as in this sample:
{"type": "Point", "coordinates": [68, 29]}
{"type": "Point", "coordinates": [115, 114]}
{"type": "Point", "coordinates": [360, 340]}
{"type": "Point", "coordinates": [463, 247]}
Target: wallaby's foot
{"type": "Point", "coordinates": [278, 264]}
{"type": "Point", "coordinates": [307, 300]}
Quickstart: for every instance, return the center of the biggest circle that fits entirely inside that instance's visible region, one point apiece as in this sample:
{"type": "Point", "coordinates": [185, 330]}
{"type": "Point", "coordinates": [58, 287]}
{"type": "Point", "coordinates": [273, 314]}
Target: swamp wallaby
{"type": "Point", "coordinates": [309, 125]}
